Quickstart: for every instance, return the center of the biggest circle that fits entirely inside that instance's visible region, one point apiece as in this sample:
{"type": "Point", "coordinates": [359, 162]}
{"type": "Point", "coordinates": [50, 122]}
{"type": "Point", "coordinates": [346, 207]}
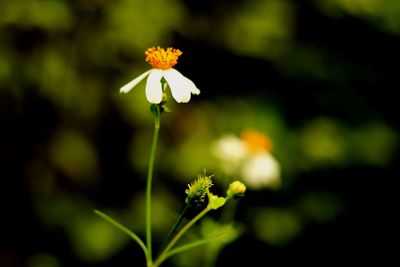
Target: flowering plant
{"type": "Point", "coordinates": [161, 76]}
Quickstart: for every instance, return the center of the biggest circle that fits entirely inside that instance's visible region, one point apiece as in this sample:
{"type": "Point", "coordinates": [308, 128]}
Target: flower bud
{"type": "Point", "coordinates": [197, 190]}
{"type": "Point", "coordinates": [236, 190]}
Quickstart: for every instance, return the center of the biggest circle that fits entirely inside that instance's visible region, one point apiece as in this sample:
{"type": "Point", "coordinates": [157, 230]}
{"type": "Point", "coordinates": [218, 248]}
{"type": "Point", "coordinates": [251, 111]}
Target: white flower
{"type": "Point", "coordinates": [162, 61]}
{"type": "Point", "coordinates": [248, 157]}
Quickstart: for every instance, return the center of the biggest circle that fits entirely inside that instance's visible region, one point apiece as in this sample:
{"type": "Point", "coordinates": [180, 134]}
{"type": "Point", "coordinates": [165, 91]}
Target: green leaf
{"type": "Point", "coordinates": [123, 229]}
{"type": "Point", "coordinates": [215, 202]}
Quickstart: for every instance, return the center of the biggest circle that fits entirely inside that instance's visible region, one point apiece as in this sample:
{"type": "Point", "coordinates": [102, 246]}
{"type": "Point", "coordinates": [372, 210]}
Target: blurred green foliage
{"type": "Point", "coordinates": [380, 13]}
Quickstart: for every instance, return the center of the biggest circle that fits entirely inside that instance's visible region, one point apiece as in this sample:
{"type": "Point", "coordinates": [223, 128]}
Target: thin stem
{"type": "Point", "coordinates": [148, 187]}
{"type": "Point", "coordinates": [123, 229]}
{"type": "Point", "coordinates": [174, 228]}
{"type": "Point", "coordinates": [191, 245]}
{"type": "Point", "coordinates": [175, 239]}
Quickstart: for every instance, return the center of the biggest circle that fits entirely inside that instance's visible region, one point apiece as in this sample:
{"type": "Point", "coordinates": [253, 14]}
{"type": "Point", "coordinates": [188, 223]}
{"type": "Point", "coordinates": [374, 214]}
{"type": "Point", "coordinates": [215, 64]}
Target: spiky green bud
{"type": "Point", "coordinates": [198, 190]}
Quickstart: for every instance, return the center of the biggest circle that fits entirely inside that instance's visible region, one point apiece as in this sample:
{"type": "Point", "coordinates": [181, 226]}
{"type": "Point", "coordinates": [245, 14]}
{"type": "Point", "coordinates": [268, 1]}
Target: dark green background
{"type": "Point", "coordinates": [319, 77]}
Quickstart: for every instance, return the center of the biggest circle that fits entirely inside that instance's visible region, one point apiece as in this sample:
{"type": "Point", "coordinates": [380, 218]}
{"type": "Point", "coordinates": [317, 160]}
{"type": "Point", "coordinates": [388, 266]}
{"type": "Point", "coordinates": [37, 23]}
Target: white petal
{"type": "Point", "coordinates": [261, 170]}
{"type": "Point", "coordinates": [127, 87]}
{"type": "Point", "coordinates": [153, 86]}
{"type": "Point", "coordinates": [229, 148]}
{"type": "Point", "coordinates": [193, 89]}
{"type": "Point", "coordinates": [180, 87]}
{"type": "Point", "coordinates": [230, 151]}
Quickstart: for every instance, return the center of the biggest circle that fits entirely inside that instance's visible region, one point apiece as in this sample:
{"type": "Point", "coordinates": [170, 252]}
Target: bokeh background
{"type": "Point", "coordinates": [320, 78]}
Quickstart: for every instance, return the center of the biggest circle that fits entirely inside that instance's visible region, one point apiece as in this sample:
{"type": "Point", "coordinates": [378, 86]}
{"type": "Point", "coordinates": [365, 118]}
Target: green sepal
{"type": "Point", "coordinates": [215, 202]}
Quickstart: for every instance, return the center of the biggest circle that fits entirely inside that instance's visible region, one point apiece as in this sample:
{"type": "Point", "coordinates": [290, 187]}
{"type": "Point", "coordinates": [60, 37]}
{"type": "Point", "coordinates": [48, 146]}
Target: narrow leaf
{"type": "Point", "coordinates": [123, 229]}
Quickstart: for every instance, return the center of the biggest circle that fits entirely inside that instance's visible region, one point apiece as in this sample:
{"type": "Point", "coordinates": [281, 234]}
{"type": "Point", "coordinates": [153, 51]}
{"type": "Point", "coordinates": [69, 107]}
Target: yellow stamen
{"type": "Point", "coordinates": [160, 58]}
{"type": "Point", "coordinates": [256, 142]}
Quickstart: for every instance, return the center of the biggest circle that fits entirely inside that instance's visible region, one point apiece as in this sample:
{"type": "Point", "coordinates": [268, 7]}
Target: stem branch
{"type": "Point", "coordinates": [175, 239]}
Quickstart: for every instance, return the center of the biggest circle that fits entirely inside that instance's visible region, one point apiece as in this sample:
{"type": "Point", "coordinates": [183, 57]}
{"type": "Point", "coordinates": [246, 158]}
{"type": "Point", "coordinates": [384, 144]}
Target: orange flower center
{"type": "Point", "coordinates": [256, 142]}
{"type": "Point", "coordinates": [160, 58]}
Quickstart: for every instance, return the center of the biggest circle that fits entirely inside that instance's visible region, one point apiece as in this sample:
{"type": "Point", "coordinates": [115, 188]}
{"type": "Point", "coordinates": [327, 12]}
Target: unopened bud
{"type": "Point", "coordinates": [236, 190]}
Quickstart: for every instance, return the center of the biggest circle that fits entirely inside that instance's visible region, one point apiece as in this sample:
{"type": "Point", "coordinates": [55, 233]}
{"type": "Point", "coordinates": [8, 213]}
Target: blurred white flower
{"type": "Point", "coordinates": [162, 62]}
{"type": "Point", "coordinates": [248, 157]}
{"type": "Point", "coordinates": [261, 170]}
{"type": "Point", "coordinates": [230, 150]}
{"type": "Point", "coordinates": [230, 147]}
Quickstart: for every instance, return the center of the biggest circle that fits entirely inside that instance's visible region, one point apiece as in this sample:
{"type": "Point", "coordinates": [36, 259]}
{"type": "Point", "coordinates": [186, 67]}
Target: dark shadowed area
{"type": "Point", "coordinates": [318, 78]}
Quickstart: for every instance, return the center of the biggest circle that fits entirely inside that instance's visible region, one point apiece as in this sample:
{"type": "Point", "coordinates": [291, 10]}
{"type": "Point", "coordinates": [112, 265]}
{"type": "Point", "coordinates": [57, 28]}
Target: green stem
{"type": "Point", "coordinates": [191, 245]}
{"type": "Point", "coordinates": [123, 229]}
{"type": "Point", "coordinates": [149, 181]}
{"type": "Point", "coordinates": [175, 239]}
{"type": "Point", "coordinates": [174, 228]}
